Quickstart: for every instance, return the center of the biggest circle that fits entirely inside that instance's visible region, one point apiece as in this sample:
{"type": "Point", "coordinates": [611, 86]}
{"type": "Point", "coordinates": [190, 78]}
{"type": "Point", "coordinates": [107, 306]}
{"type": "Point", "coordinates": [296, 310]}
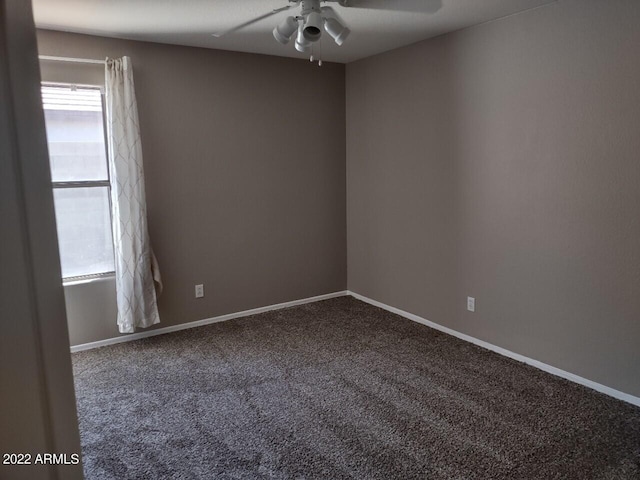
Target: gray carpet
{"type": "Point", "coordinates": [339, 389]}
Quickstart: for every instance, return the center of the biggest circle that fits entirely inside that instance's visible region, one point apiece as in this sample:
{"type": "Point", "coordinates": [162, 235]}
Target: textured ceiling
{"type": "Point", "coordinates": [376, 25]}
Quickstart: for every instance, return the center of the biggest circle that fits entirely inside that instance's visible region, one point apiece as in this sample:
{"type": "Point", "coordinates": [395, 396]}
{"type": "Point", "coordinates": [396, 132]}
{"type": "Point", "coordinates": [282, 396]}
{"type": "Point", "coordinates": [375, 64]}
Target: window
{"type": "Point", "coordinates": [74, 122]}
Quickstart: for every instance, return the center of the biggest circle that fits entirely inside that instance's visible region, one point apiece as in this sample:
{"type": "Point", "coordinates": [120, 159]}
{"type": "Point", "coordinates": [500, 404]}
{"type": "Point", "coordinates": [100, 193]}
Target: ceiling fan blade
{"type": "Point", "coordinates": [424, 6]}
{"type": "Point", "coordinates": [252, 21]}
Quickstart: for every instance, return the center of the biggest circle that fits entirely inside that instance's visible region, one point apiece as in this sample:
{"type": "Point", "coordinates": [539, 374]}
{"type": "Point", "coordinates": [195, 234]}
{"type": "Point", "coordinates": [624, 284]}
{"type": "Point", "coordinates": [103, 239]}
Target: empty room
{"type": "Point", "coordinates": [320, 239]}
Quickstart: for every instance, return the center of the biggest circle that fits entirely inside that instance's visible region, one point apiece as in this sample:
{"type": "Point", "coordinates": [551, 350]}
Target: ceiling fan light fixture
{"type": "Point", "coordinates": [283, 32]}
{"type": "Point", "coordinates": [338, 32]}
{"type": "Point", "coordinates": [302, 44]}
{"type": "Point", "coordinates": [312, 29]}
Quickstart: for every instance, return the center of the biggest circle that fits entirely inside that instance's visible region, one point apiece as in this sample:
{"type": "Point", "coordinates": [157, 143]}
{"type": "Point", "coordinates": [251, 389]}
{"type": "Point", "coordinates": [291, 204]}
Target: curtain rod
{"type": "Point", "coordinates": [69, 59]}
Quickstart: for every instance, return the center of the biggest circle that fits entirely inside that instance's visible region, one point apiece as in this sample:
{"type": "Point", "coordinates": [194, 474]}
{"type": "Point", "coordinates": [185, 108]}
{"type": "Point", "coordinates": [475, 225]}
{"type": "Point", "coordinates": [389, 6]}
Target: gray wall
{"type": "Point", "coordinates": [245, 176]}
{"type": "Point", "coordinates": [37, 404]}
{"type": "Point", "coordinates": [502, 162]}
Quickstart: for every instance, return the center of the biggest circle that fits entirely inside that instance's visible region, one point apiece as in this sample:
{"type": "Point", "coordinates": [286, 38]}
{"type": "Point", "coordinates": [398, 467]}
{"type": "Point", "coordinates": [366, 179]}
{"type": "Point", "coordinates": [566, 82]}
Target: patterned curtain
{"type": "Point", "coordinates": [136, 267]}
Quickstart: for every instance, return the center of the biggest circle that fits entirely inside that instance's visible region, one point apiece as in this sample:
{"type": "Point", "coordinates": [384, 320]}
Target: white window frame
{"type": "Point", "coordinates": [88, 183]}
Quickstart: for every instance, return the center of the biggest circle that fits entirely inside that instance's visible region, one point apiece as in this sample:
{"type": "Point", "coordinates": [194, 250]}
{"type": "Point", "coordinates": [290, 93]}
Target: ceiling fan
{"type": "Point", "coordinates": [308, 24]}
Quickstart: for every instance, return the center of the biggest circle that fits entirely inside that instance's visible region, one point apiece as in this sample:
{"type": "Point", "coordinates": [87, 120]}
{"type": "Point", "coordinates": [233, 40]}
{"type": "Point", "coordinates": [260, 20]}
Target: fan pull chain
{"type": "Point", "coordinates": [312, 58]}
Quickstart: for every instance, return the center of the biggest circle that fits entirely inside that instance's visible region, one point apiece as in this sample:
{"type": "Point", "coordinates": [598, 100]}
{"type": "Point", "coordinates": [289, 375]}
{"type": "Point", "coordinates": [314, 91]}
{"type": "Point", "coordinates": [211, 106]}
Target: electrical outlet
{"type": "Point", "coordinates": [199, 291]}
{"type": "Point", "coordinates": [471, 304]}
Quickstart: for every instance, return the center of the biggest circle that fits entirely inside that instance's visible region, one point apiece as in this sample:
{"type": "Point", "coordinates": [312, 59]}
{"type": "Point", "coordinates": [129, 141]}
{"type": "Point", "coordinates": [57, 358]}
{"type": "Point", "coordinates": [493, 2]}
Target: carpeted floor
{"type": "Point", "coordinates": [339, 389]}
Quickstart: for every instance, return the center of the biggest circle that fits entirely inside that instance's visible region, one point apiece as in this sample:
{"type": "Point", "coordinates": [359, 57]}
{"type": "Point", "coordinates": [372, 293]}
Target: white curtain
{"type": "Point", "coordinates": [136, 267]}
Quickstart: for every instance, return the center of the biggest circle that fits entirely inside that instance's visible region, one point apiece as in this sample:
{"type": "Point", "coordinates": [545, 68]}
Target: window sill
{"type": "Point", "coordinates": [82, 281]}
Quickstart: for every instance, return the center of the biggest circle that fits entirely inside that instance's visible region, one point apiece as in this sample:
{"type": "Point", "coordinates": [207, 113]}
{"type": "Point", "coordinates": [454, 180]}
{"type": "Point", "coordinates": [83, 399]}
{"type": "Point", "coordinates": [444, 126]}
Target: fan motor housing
{"type": "Point", "coordinates": [309, 6]}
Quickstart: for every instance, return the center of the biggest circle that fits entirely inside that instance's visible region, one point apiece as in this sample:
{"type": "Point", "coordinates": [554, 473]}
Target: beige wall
{"type": "Point", "coordinates": [245, 175]}
{"type": "Point", "coordinates": [92, 310]}
{"type": "Point", "coordinates": [502, 162]}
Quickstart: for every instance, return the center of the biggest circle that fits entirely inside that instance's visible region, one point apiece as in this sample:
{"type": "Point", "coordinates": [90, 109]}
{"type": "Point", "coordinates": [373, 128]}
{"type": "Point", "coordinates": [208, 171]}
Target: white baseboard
{"type": "Point", "coordinates": [507, 353]}
{"type": "Point", "coordinates": [502, 351]}
{"type": "Point", "coordinates": [200, 323]}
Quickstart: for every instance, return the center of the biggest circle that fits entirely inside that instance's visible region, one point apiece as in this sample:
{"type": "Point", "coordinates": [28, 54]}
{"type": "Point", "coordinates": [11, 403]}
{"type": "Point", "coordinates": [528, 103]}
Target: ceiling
{"type": "Point", "coordinates": [383, 25]}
